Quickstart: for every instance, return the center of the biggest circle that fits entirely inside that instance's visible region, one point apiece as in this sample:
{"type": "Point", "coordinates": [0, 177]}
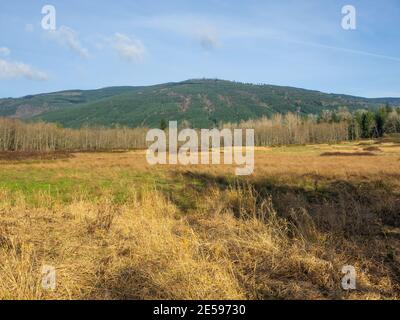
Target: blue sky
{"type": "Point", "coordinates": [298, 43]}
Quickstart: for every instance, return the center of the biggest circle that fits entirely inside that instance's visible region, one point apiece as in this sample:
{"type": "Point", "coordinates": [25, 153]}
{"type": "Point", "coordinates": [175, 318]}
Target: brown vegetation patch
{"type": "Point", "coordinates": [366, 143]}
{"type": "Point", "coordinates": [184, 105]}
{"type": "Point", "coordinates": [208, 105]}
{"type": "Point", "coordinates": [110, 151]}
{"type": "Point", "coordinates": [226, 100]}
{"type": "Point", "coordinates": [347, 154]}
{"type": "Point", "coordinates": [27, 110]}
{"type": "Point", "coordinates": [372, 149]}
{"type": "Point", "coordinates": [34, 155]}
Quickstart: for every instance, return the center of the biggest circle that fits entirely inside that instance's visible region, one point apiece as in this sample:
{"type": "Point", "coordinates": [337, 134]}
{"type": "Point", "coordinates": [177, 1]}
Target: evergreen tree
{"type": "Point", "coordinates": [380, 120]}
{"type": "Point", "coordinates": [163, 124]}
{"type": "Point", "coordinates": [367, 125]}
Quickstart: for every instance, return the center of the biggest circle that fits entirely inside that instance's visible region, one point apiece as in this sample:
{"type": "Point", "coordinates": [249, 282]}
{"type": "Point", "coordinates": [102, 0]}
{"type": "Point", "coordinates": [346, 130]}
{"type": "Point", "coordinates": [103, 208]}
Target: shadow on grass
{"type": "Point", "coordinates": [349, 206]}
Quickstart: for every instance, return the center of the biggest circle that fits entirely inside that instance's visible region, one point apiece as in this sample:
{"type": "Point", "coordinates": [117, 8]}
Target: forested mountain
{"type": "Point", "coordinates": [202, 102]}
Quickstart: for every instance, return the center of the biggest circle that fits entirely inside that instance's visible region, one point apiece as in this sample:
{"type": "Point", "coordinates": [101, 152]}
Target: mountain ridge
{"type": "Point", "coordinates": [202, 102]}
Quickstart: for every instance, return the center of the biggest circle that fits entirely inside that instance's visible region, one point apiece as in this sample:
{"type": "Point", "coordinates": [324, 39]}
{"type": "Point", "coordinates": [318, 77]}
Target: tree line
{"type": "Point", "coordinates": [291, 128]}
{"type": "Point", "coordinates": [365, 124]}
{"type": "Point", "coordinates": [16, 135]}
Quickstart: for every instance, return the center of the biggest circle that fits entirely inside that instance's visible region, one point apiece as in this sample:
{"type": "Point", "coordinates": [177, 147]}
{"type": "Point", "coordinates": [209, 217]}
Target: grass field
{"type": "Point", "coordinates": [116, 228]}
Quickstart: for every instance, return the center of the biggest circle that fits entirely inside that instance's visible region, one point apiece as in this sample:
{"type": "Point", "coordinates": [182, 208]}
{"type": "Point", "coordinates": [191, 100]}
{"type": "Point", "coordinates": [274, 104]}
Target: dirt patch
{"type": "Point", "coordinates": [184, 106]}
{"type": "Point", "coordinates": [372, 149]}
{"type": "Point", "coordinates": [33, 155]}
{"type": "Point", "coordinates": [346, 154]}
{"type": "Point", "coordinates": [109, 150]}
{"type": "Point", "coordinates": [208, 105]}
{"type": "Point", "coordinates": [366, 143]}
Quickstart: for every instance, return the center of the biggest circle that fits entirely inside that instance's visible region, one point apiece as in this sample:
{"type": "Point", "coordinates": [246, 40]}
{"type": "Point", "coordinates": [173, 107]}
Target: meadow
{"type": "Point", "coordinates": [115, 227]}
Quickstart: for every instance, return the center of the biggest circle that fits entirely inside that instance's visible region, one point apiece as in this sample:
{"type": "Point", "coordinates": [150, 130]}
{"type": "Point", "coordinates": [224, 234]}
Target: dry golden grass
{"type": "Point", "coordinates": [196, 232]}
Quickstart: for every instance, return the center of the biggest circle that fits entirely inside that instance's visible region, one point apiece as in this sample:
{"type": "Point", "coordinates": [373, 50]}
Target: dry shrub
{"type": "Point", "coordinates": [103, 215]}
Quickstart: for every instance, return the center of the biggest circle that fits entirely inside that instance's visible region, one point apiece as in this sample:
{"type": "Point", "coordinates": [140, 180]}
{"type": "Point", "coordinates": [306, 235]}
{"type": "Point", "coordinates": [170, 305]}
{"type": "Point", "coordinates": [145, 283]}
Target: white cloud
{"type": "Point", "coordinates": [128, 48]}
{"type": "Point", "coordinates": [4, 51]}
{"type": "Point", "coordinates": [67, 37]}
{"type": "Point", "coordinates": [14, 69]}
